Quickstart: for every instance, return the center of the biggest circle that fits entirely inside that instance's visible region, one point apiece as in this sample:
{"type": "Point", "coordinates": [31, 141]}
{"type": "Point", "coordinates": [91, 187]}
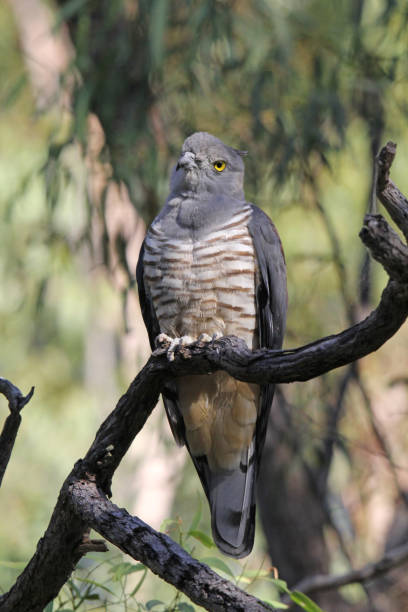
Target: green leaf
{"type": "Point", "coordinates": [124, 569]}
{"type": "Point", "coordinates": [281, 585]}
{"type": "Point", "coordinates": [168, 524]}
{"type": "Point", "coordinates": [49, 607]}
{"type": "Point", "coordinates": [74, 587]}
{"type": "Point", "coordinates": [196, 519]}
{"type": "Point", "coordinates": [276, 604]}
{"type": "Point", "coordinates": [265, 574]}
{"type": "Point", "coordinates": [304, 602]}
{"type": "Point", "coordinates": [202, 537]}
{"type": "Point", "coordinates": [185, 607]}
{"type": "Point", "coordinates": [91, 596]}
{"type": "Point", "coordinates": [139, 584]}
{"type": "Point", "coordinates": [218, 564]}
{"type": "Point", "coordinates": [153, 603]}
{"type": "Point", "coordinates": [99, 585]}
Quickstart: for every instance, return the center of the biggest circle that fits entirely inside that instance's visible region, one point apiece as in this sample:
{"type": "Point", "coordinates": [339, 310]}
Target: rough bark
{"type": "Point", "coordinates": [159, 552]}
{"type": "Point", "coordinates": [388, 193]}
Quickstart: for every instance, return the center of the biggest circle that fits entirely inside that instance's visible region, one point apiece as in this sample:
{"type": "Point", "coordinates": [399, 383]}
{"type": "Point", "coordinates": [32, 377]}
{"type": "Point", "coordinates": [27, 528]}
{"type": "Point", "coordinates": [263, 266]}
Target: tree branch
{"type": "Point", "coordinates": [81, 503]}
{"type": "Point", "coordinates": [16, 402]}
{"type": "Point", "coordinates": [388, 193]}
{"type": "Point", "coordinates": [160, 553]}
{"type": "Point", "coordinates": [393, 558]}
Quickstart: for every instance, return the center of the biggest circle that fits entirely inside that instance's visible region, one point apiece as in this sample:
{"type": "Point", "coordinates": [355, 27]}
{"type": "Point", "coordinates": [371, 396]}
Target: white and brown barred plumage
{"type": "Point", "coordinates": [212, 263]}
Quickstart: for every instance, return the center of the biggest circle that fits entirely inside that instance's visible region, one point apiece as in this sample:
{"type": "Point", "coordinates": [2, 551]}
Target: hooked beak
{"type": "Point", "coordinates": [187, 161]}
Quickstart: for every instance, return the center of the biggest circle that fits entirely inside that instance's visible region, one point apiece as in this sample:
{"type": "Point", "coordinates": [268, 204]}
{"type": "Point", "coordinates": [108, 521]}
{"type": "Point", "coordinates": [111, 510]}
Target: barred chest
{"type": "Point", "coordinates": [205, 285]}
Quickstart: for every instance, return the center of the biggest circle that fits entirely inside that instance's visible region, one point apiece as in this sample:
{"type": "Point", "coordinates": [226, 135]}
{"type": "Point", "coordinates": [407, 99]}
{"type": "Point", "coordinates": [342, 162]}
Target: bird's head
{"type": "Point", "coordinates": [206, 164]}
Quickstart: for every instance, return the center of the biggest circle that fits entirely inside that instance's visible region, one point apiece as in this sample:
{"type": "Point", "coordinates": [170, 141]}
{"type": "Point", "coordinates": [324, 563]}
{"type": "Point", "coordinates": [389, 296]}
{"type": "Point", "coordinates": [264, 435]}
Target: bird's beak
{"type": "Point", "coordinates": [187, 161]}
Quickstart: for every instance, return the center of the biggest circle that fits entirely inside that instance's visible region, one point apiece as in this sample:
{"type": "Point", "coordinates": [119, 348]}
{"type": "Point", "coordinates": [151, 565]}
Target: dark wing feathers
{"type": "Point", "coordinates": [153, 329]}
{"type": "Point", "coordinates": [146, 304]}
{"type": "Point", "coordinates": [272, 301]}
{"type": "Point", "coordinates": [272, 297]}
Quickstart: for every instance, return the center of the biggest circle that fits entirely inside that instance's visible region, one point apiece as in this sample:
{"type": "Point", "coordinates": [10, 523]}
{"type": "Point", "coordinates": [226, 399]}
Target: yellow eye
{"type": "Point", "coordinates": [219, 165]}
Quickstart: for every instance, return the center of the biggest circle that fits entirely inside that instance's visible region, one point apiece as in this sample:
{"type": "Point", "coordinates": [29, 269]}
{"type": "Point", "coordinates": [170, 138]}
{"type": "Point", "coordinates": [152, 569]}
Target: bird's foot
{"type": "Point", "coordinates": [204, 338]}
{"type": "Point", "coordinates": [163, 341]}
{"type": "Point", "coordinates": [177, 344]}
{"type": "Point", "coordinates": [171, 345]}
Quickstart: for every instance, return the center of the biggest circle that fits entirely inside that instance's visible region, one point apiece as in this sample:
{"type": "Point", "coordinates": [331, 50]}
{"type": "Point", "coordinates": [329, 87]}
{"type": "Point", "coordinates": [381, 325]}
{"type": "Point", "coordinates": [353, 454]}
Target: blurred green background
{"type": "Point", "coordinates": [96, 98]}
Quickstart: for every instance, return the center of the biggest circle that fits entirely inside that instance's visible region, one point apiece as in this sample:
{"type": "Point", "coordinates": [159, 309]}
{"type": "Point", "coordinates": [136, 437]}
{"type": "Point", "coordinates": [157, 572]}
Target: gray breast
{"type": "Point", "coordinates": [205, 285]}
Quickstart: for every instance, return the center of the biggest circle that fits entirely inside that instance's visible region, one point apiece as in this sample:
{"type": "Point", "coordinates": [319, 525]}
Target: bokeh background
{"type": "Point", "coordinates": [96, 98]}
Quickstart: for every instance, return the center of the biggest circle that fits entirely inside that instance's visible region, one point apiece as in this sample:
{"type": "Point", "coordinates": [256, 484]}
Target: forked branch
{"type": "Point", "coordinates": [82, 502]}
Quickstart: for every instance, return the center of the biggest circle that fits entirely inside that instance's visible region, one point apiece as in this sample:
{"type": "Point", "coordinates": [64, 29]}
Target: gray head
{"type": "Point", "coordinates": [207, 165]}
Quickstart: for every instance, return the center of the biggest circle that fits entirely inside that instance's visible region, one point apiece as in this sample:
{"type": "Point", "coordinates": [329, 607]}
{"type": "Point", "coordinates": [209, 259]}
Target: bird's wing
{"type": "Point", "coordinates": [272, 301]}
{"type": "Point", "coordinates": [146, 304]}
{"type": "Point", "coordinates": [169, 392]}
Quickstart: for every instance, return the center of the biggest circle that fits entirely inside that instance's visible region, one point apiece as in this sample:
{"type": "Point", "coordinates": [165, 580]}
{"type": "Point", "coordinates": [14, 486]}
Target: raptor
{"type": "Point", "coordinates": [212, 264]}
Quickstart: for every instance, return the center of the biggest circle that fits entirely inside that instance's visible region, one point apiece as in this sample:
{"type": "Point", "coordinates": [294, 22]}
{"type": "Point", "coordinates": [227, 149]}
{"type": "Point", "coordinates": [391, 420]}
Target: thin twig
{"type": "Point", "coordinates": [393, 558]}
{"type": "Point", "coordinates": [16, 402]}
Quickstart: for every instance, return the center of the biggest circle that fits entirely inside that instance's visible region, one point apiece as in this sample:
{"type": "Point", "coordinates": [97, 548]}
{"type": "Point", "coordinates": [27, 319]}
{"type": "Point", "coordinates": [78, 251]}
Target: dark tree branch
{"type": "Point", "coordinates": [388, 193]}
{"type": "Point", "coordinates": [391, 559]}
{"type": "Point", "coordinates": [81, 505]}
{"type": "Point", "coordinates": [81, 502]}
{"type": "Point", "coordinates": [16, 402]}
{"type": "Point", "coordinates": [160, 553]}
{"type": "Point", "coordinates": [386, 247]}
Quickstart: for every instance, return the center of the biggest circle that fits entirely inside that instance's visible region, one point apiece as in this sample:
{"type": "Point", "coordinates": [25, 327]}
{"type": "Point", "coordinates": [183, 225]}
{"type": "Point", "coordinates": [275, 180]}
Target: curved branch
{"type": "Point", "coordinates": [62, 544]}
{"type": "Point", "coordinates": [393, 558]}
{"type": "Point", "coordinates": [314, 359]}
{"type": "Point", "coordinates": [160, 553]}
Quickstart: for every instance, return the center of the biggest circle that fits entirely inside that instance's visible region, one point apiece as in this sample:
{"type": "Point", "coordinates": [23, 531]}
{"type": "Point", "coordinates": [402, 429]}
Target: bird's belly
{"type": "Point", "coordinates": [205, 286]}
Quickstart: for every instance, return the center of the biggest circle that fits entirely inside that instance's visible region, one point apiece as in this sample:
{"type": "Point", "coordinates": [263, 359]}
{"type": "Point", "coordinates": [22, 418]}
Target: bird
{"type": "Point", "coordinates": [212, 265]}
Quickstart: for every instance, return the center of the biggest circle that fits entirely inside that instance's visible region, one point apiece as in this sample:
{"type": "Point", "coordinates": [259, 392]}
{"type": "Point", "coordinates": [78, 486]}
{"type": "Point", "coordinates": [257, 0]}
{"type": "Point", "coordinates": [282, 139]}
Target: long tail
{"type": "Point", "coordinates": [215, 416]}
{"type": "Point", "coordinates": [232, 502]}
